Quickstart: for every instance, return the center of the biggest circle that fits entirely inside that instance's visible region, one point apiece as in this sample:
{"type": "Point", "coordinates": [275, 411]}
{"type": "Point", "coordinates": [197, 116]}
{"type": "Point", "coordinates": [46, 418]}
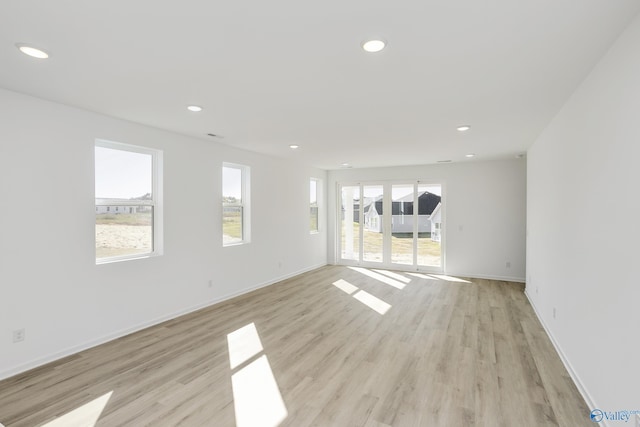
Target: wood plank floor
{"type": "Point", "coordinates": [381, 349]}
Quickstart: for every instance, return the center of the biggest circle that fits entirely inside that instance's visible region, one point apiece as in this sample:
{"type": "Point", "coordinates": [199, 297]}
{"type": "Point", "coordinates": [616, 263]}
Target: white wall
{"type": "Point", "coordinates": [49, 282]}
{"type": "Point", "coordinates": [484, 218]}
{"type": "Point", "coordinates": [583, 170]}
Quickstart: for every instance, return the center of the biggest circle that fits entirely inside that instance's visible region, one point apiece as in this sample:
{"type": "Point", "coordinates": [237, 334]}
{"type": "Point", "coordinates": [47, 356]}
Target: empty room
{"type": "Point", "coordinates": [319, 214]}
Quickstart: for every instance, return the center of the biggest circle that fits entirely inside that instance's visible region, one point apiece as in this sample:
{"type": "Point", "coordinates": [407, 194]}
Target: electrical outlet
{"type": "Point", "coordinates": [211, 283]}
{"type": "Point", "coordinates": [508, 264]}
{"type": "Point", "coordinates": [554, 312]}
{"type": "Point", "coordinates": [18, 335]}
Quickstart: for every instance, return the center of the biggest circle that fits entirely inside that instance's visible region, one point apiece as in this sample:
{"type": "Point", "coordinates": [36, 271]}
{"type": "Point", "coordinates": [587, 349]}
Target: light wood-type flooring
{"type": "Point", "coordinates": [333, 347]}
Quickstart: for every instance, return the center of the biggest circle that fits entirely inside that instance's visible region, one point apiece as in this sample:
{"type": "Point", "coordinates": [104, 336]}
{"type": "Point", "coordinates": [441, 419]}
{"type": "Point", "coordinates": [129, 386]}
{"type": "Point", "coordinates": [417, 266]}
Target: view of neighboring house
{"type": "Point", "coordinates": [436, 223]}
{"type": "Point", "coordinates": [429, 214]}
{"type": "Point", "coordinates": [116, 209]}
{"type": "Point", "coordinates": [105, 206]}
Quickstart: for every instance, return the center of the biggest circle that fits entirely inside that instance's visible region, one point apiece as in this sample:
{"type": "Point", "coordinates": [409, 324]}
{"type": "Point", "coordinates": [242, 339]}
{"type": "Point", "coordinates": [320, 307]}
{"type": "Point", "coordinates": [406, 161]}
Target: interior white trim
{"type": "Point", "coordinates": [487, 276]}
{"type": "Point", "coordinates": [399, 267]}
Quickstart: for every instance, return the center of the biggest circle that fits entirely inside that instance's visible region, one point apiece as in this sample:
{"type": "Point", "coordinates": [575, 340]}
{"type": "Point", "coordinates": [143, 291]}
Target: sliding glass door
{"type": "Point", "coordinates": [429, 226]}
{"type": "Point", "coordinates": [402, 224]}
{"type": "Point", "coordinates": [397, 225]}
{"type": "Point", "coordinates": [350, 220]}
{"type": "Point", "coordinates": [372, 231]}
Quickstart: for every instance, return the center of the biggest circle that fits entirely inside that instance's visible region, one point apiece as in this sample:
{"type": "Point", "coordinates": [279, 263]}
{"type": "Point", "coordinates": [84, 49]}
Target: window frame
{"type": "Point", "coordinates": [317, 204]}
{"type": "Point", "coordinates": [157, 238]}
{"type": "Point", "coordinates": [244, 205]}
{"type": "Point", "coordinates": [357, 258]}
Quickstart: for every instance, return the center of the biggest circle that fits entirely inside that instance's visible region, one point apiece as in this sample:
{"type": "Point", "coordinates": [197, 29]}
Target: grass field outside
{"type": "Point", "coordinates": [130, 234]}
{"type": "Point", "coordinates": [231, 227]}
{"type": "Point", "coordinates": [124, 234]}
{"type": "Point", "coordinates": [429, 251]}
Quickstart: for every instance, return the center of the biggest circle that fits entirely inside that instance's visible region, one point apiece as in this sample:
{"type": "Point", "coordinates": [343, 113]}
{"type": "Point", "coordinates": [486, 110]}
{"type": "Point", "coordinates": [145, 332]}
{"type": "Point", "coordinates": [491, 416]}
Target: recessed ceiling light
{"type": "Point", "coordinates": [345, 165]}
{"type": "Point", "coordinates": [194, 108]}
{"type": "Point", "coordinates": [463, 128]}
{"type": "Point", "coordinates": [520, 156]}
{"type": "Point", "coordinates": [373, 46]}
{"type": "Point", "coordinates": [32, 51]}
{"type": "Point", "coordinates": [470, 155]}
{"type": "Point", "coordinates": [294, 146]}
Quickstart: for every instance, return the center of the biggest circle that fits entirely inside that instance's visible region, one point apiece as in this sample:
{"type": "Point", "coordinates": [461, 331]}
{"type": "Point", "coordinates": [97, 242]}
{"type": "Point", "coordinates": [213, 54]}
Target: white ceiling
{"type": "Point", "coordinates": [280, 72]}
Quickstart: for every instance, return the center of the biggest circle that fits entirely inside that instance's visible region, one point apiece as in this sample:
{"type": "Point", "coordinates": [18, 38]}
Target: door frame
{"type": "Point", "coordinates": [386, 238]}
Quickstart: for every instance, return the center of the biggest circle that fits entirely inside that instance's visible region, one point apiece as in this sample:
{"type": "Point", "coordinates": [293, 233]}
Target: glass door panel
{"type": "Point", "coordinates": [373, 230]}
{"type": "Point", "coordinates": [429, 225]}
{"type": "Point", "coordinates": [392, 225]}
{"type": "Point", "coordinates": [350, 219]}
{"type": "Point", "coordinates": [402, 224]}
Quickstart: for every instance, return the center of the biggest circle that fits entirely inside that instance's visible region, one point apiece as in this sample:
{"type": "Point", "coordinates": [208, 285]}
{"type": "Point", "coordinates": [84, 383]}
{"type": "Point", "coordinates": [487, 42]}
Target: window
{"type": "Point", "coordinates": [127, 200]}
{"type": "Point", "coordinates": [313, 205]}
{"type": "Point", "coordinates": [235, 204]}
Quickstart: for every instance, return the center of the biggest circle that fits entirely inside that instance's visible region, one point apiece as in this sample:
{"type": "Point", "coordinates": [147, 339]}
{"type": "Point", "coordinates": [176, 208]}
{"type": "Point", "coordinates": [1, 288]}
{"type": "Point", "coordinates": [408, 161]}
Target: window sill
{"type": "Point", "coordinates": [226, 245]}
{"type": "Point", "coordinates": [112, 260]}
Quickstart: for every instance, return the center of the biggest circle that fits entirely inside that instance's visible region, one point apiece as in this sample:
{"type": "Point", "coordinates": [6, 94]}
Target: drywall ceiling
{"type": "Point", "coordinates": [271, 74]}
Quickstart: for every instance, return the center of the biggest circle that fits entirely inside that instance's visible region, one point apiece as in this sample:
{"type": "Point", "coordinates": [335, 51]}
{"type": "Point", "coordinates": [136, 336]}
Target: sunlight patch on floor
{"type": "Point", "coordinates": [256, 397]}
{"type": "Point", "coordinates": [374, 303]}
{"type": "Point", "coordinates": [345, 286]}
{"type": "Point", "coordinates": [86, 415]}
{"type": "Point", "coordinates": [438, 277]}
{"type": "Point", "coordinates": [421, 276]}
{"type": "Point", "coordinates": [377, 276]}
{"type": "Point", "coordinates": [449, 278]}
{"type": "Point", "coordinates": [394, 275]}
{"type": "Point", "coordinates": [244, 343]}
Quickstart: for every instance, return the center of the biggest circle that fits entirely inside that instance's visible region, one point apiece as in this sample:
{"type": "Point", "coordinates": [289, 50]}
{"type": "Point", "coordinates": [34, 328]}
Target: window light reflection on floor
{"type": "Point", "coordinates": [449, 278]}
{"type": "Point", "coordinates": [256, 396]}
{"type": "Point", "coordinates": [421, 276]}
{"type": "Point", "coordinates": [393, 275]}
{"type": "Point", "coordinates": [384, 279]}
{"type": "Point", "coordinates": [243, 343]}
{"type": "Point", "coordinates": [374, 303]}
{"type": "Point", "coordinates": [345, 286]}
{"type": "Point", "coordinates": [439, 277]}
{"type": "Point", "coordinates": [86, 415]}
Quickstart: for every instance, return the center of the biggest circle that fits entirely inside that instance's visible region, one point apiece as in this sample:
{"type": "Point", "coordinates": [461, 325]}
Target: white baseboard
{"type": "Point", "coordinates": [567, 364]}
{"type": "Point", "coordinates": [490, 277]}
{"type": "Point", "coordinates": [448, 273]}
{"type": "Point", "coordinates": [123, 332]}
